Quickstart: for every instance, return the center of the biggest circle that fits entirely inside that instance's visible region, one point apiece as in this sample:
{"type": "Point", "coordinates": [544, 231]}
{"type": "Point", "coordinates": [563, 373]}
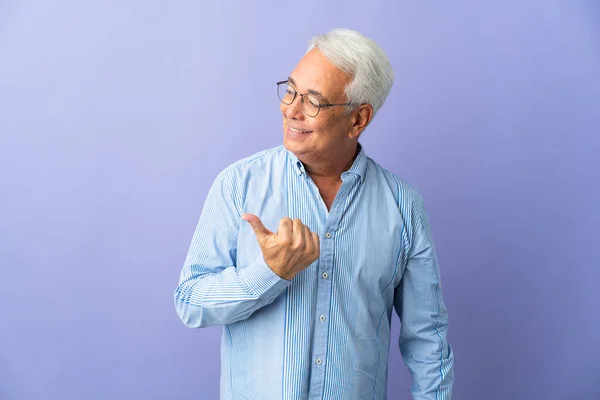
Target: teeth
{"type": "Point", "coordinates": [297, 130]}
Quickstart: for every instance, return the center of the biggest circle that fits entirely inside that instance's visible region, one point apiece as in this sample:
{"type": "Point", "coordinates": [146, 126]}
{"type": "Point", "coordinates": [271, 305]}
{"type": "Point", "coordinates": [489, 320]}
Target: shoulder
{"type": "Point", "coordinates": [408, 199]}
{"type": "Point", "coordinates": [234, 181]}
{"type": "Point", "coordinates": [406, 195]}
{"type": "Point", "coordinates": [256, 164]}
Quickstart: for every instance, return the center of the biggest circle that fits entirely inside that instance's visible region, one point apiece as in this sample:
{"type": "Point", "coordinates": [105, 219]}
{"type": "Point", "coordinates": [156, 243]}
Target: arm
{"type": "Point", "coordinates": [212, 289]}
{"type": "Point", "coordinates": [423, 315]}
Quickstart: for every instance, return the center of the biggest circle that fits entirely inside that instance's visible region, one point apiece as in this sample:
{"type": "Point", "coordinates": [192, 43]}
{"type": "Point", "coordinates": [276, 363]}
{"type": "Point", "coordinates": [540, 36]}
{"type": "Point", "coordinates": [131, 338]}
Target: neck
{"type": "Point", "coordinates": [328, 168]}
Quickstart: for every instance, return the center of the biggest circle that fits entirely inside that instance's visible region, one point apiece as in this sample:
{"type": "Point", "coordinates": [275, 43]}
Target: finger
{"type": "Point", "coordinates": [284, 233]}
{"type": "Point", "coordinates": [257, 226]}
{"type": "Point", "coordinates": [308, 239]}
{"type": "Point", "coordinates": [297, 226]}
{"type": "Point", "coordinates": [298, 234]}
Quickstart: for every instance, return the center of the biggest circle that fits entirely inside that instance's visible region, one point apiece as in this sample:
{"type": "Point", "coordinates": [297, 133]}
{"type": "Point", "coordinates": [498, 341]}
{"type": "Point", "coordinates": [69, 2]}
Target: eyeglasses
{"type": "Point", "coordinates": [309, 104]}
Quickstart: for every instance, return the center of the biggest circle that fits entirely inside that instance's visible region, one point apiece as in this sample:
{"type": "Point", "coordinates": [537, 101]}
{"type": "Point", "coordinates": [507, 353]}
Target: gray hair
{"type": "Point", "coordinates": [361, 57]}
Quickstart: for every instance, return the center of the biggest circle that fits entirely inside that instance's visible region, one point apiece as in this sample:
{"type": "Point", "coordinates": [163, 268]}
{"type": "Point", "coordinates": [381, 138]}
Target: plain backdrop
{"type": "Point", "coordinates": [116, 116]}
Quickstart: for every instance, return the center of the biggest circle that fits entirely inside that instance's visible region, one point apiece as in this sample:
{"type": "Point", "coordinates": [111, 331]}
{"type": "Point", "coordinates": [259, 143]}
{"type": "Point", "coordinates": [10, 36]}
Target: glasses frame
{"type": "Point", "coordinates": [296, 93]}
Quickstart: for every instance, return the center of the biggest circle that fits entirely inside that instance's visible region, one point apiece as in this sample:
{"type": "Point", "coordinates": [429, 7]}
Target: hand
{"type": "Point", "coordinates": [289, 251]}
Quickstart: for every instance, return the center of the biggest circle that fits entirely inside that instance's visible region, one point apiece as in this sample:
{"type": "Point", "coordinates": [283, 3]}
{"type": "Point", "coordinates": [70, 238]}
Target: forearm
{"type": "Point", "coordinates": [429, 357]}
{"type": "Point", "coordinates": [424, 331]}
{"type": "Point", "coordinates": [424, 317]}
{"type": "Point", "coordinates": [210, 296]}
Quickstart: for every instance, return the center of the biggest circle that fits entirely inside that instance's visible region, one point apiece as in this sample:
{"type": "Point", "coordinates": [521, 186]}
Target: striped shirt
{"type": "Point", "coordinates": [325, 334]}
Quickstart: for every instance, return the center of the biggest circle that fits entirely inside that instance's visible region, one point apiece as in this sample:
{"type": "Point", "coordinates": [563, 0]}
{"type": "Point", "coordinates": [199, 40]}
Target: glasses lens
{"type": "Point", "coordinates": [286, 93]}
{"type": "Point", "coordinates": [310, 105]}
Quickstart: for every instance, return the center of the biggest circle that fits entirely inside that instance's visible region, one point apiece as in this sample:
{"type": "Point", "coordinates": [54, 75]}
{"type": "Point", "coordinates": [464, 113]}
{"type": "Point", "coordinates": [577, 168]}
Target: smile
{"type": "Point", "coordinates": [298, 130]}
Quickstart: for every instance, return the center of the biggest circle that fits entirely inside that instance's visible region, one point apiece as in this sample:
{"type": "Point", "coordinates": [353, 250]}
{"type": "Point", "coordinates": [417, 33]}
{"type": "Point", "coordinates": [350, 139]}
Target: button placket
{"type": "Point", "coordinates": [324, 289]}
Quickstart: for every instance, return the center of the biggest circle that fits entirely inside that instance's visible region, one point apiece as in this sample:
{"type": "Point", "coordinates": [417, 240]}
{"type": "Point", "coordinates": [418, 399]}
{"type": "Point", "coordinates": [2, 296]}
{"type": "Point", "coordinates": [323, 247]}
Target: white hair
{"type": "Point", "coordinates": [363, 59]}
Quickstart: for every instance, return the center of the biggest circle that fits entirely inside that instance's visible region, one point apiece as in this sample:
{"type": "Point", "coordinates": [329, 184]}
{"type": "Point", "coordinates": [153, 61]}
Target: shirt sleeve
{"type": "Point", "coordinates": [423, 315]}
{"type": "Point", "coordinates": [212, 289]}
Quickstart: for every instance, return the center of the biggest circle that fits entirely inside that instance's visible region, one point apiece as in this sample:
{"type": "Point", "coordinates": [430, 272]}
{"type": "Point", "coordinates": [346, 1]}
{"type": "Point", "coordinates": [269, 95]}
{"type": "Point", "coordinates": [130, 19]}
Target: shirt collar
{"type": "Point", "coordinates": [358, 168]}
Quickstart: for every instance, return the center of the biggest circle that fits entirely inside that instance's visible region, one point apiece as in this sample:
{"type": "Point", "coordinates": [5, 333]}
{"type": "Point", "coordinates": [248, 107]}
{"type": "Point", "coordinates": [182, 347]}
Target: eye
{"type": "Point", "coordinates": [313, 101]}
{"type": "Point", "coordinates": [286, 93]}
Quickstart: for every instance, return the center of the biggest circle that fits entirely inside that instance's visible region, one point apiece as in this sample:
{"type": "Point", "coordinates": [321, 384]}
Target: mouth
{"type": "Point", "coordinates": [299, 130]}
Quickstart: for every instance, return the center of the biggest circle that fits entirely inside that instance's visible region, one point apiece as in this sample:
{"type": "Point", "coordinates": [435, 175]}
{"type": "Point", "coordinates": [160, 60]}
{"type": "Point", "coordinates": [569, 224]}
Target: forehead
{"type": "Point", "coordinates": [315, 72]}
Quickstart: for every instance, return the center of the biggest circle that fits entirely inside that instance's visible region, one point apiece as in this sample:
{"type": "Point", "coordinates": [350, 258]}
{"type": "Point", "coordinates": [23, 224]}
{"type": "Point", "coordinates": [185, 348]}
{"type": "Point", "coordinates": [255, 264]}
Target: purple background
{"type": "Point", "coordinates": [115, 117]}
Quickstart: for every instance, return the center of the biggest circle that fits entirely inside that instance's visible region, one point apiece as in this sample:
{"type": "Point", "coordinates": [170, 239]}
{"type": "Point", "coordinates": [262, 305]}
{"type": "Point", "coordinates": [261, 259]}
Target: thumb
{"type": "Point", "coordinates": [257, 226]}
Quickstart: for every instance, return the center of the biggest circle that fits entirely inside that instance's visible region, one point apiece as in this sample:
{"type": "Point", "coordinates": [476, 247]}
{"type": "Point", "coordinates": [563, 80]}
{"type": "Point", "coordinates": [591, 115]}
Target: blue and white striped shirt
{"type": "Point", "coordinates": [326, 333]}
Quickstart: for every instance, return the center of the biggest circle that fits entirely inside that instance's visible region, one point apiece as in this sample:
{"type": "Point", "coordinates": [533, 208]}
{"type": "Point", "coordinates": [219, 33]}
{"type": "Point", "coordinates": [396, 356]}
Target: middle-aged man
{"type": "Point", "coordinates": [302, 250]}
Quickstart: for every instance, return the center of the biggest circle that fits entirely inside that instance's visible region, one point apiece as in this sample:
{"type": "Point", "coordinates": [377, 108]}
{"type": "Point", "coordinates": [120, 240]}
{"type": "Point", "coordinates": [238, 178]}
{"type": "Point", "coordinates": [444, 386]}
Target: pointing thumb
{"type": "Point", "coordinates": [257, 226]}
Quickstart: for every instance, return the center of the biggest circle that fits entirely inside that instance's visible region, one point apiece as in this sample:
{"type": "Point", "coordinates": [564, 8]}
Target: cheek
{"type": "Point", "coordinates": [322, 124]}
{"type": "Point", "coordinates": [332, 129]}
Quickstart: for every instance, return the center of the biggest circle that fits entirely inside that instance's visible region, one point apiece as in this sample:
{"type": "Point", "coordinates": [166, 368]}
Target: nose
{"type": "Point", "coordinates": [294, 110]}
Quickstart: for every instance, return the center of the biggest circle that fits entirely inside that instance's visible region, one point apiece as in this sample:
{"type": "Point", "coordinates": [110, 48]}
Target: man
{"type": "Point", "coordinates": [303, 250]}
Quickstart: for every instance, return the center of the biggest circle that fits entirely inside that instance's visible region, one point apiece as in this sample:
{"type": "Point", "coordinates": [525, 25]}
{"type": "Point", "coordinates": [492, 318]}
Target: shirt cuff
{"type": "Point", "coordinates": [260, 279]}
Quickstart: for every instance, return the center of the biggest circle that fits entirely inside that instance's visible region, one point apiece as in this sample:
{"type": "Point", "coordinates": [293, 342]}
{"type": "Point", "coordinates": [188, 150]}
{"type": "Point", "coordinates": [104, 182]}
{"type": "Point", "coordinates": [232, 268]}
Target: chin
{"type": "Point", "coordinates": [291, 145]}
{"type": "Point", "coordinates": [299, 144]}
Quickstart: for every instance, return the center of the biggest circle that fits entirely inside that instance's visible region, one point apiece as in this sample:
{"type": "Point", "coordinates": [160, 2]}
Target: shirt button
{"type": "Point", "coordinates": [318, 361]}
{"type": "Point", "coordinates": [322, 318]}
{"type": "Point", "coordinates": [325, 275]}
{"type": "Point", "coordinates": [328, 235]}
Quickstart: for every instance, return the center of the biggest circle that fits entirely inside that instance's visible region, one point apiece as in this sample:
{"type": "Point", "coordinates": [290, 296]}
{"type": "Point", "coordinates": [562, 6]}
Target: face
{"type": "Point", "coordinates": [324, 136]}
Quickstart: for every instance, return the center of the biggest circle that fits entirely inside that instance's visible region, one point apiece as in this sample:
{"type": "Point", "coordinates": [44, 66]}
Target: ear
{"type": "Point", "coordinates": [362, 116]}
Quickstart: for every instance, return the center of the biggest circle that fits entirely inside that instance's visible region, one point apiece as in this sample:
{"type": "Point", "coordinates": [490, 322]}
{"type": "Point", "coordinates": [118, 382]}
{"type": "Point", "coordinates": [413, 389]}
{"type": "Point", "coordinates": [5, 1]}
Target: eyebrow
{"type": "Point", "coordinates": [311, 91]}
